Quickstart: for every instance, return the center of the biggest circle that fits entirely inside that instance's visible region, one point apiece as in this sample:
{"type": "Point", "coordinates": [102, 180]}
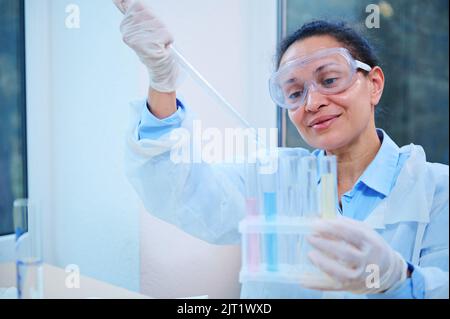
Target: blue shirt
{"type": "Point", "coordinates": [374, 185]}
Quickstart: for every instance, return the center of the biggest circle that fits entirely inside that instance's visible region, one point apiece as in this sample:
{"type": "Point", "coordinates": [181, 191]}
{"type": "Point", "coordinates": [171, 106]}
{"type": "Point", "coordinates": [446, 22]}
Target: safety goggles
{"type": "Point", "coordinates": [329, 71]}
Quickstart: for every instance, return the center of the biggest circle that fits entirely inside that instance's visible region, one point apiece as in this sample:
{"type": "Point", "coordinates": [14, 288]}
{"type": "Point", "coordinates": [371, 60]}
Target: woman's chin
{"type": "Point", "coordinates": [326, 142]}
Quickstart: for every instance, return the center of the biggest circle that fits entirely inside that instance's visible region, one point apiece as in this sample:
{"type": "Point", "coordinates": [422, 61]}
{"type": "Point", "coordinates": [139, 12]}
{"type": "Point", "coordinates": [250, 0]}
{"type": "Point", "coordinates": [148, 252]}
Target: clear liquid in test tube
{"type": "Point", "coordinates": [310, 194]}
{"type": "Point", "coordinates": [328, 186]}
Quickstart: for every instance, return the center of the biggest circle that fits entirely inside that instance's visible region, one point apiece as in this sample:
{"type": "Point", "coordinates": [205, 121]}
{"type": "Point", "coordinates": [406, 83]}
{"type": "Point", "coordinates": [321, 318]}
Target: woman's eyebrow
{"type": "Point", "coordinates": [320, 68]}
{"type": "Point", "coordinates": [289, 81]}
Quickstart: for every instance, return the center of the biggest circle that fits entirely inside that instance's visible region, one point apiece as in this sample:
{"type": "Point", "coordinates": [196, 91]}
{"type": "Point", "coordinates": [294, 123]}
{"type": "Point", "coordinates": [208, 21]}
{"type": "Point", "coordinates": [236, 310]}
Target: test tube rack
{"type": "Point", "coordinates": [285, 193]}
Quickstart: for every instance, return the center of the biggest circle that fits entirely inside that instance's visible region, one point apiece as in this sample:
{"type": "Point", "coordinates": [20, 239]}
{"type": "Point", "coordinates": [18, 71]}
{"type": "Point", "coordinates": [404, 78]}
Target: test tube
{"type": "Point", "coordinates": [267, 174]}
{"type": "Point", "coordinates": [289, 177]}
{"type": "Point", "coordinates": [268, 168]}
{"type": "Point", "coordinates": [251, 189]}
{"type": "Point", "coordinates": [309, 203]}
{"type": "Point", "coordinates": [252, 242]}
{"type": "Point", "coordinates": [310, 198]}
{"type": "Point", "coordinates": [290, 192]}
{"type": "Point", "coordinates": [328, 186]}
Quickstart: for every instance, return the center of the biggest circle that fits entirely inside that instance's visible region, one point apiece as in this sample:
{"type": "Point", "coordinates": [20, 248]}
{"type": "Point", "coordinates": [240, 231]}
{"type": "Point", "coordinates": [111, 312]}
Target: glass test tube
{"type": "Point", "coordinates": [289, 201]}
{"type": "Point", "coordinates": [309, 203]}
{"type": "Point", "coordinates": [289, 189]}
{"type": "Point", "coordinates": [267, 174]}
{"type": "Point", "coordinates": [310, 198]}
{"type": "Point", "coordinates": [252, 242]}
{"type": "Point", "coordinates": [328, 186]}
{"type": "Point", "coordinates": [268, 182]}
{"type": "Point", "coordinates": [251, 189]}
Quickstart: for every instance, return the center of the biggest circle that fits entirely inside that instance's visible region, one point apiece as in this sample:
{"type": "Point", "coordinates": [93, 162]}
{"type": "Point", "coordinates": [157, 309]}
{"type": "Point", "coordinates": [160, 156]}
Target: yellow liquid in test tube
{"type": "Point", "coordinates": [327, 196]}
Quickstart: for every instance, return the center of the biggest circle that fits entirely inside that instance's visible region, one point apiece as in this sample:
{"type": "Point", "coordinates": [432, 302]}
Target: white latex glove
{"type": "Point", "coordinates": [150, 39]}
{"type": "Point", "coordinates": [347, 251]}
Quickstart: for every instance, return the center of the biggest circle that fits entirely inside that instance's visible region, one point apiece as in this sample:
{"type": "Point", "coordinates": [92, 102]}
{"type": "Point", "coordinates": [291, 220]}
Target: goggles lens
{"type": "Point", "coordinates": [329, 71]}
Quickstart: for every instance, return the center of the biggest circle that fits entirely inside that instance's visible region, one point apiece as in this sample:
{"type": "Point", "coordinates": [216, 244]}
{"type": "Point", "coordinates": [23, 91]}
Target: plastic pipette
{"type": "Point", "coordinates": [208, 87]}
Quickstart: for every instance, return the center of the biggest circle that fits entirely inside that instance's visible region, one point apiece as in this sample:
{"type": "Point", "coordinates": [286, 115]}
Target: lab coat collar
{"type": "Point", "coordinates": [381, 180]}
{"type": "Point", "coordinates": [411, 197]}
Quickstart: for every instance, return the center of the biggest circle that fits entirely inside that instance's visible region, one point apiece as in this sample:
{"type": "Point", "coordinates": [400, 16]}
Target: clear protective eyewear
{"type": "Point", "coordinates": [329, 71]}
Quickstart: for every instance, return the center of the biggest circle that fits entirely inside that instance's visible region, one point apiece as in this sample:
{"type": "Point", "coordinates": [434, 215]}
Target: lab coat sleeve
{"type": "Point", "coordinates": [430, 279]}
{"type": "Point", "coordinates": [203, 200]}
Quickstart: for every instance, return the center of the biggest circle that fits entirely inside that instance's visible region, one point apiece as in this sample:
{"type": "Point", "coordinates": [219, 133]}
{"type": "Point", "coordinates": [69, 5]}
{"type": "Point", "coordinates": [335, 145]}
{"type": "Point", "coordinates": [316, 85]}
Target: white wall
{"type": "Point", "coordinates": [79, 84]}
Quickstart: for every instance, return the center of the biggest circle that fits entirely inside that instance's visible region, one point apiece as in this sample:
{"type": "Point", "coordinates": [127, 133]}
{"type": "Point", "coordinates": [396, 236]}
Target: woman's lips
{"type": "Point", "coordinates": [325, 124]}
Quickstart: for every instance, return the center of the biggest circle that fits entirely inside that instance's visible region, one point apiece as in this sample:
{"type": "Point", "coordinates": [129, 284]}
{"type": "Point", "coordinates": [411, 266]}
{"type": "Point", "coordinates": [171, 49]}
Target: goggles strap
{"type": "Point", "coordinates": [362, 65]}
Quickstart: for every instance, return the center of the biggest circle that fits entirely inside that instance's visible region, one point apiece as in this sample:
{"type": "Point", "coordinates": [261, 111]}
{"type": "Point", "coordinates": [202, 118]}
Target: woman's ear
{"type": "Point", "coordinates": [376, 78]}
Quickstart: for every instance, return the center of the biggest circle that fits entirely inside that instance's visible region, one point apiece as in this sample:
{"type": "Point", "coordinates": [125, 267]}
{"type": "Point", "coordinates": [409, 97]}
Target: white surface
{"type": "Point", "coordinates": [58, 284]}
{"type": "Point", "coordinates": [7, 248]}
{"type": "Point", "coordinates": [8, 293]}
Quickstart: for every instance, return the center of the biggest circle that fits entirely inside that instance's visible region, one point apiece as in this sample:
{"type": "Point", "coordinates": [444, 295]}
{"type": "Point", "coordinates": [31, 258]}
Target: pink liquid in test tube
{"type": "Point", "coordinates": [253, 239]}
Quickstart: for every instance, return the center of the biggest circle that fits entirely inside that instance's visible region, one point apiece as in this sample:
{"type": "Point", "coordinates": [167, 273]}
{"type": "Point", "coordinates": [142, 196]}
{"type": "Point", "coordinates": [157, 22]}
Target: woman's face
{"type": "Point", "coordinates": [332, 122]}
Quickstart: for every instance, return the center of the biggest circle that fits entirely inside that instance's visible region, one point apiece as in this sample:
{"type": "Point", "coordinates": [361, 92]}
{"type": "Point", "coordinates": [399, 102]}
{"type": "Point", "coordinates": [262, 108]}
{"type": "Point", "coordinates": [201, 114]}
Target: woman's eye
{"type": "Point", "coordinates": [295, 95]}
{"type": "Point", "coordinates": [330, 82]}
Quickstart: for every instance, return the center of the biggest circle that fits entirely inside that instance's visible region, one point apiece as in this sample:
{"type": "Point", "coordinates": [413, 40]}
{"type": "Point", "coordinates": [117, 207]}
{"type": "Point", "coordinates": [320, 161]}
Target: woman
{"type": "Point", "coordinates": [394, 204]}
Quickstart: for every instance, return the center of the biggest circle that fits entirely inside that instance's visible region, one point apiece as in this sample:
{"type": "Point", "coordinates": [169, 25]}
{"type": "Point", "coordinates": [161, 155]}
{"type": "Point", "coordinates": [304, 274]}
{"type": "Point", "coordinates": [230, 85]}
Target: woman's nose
{"type": "Point", "coordinates": [314, 100]}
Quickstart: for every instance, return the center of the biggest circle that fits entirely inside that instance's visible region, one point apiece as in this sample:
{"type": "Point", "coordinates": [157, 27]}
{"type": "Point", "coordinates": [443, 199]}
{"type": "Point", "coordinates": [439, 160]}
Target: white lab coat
{"type": "Point", "coordinates": [207, 201]}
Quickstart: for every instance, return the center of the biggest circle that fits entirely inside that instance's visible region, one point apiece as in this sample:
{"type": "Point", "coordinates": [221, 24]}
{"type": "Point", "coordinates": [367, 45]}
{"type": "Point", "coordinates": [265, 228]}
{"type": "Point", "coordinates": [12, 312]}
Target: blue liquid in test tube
{"type": "Point", "coordinates": [268, 170]}
{"type": "Point", "coordinates": [270, 206]}
{"type": "Point", "coordinates": [270, 211]}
